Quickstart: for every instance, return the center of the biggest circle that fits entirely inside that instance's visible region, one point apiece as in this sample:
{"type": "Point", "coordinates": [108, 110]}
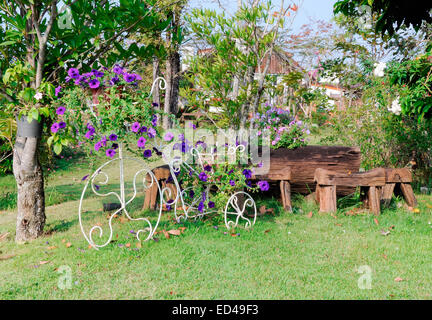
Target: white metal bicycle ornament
{"type": "Point", "coordinates": [235, 212]}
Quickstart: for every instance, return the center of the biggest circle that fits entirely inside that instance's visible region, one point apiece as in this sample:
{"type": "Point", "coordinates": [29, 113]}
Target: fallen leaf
{"type": "Point", "coordinates": [310, 214]}
{"type": "Point", "coordinates": [267, 231]}
{"type": "Point", "coordinates": [398, 279]}
{"type": "Point", "coordinates": [429, 206]}
{"type": "Point", "coordinates": [385, 233]}
{"type": "Point", "coordinates": [384, 256]}
{"type": "Point", "coordinates": [376, 221]}
{"type": "Point", "coordinates": [64, 240]}
{"type": "Point", "coordinates": [8, 256]}
{"type": "Point", "coordinates": [68, 245]}
{"type": "Point", "coordinates": [391, 227]}
{"type": "Point", "coordinates": [338, 224]}
{"type": "Point", "coordinates": [52, 248]}
{"type": "Point", "coordinates": [138, 245]}
{"type": "Point", "coordinates": [182, 229]}
{"type": "Point", "coordinates": [174, 232]}
{"type": "Point", "coordinates": [262, 209]}
{"type": "Point", "coordinates": [410, 208]}
{"type": "Point", "coordinates": [127, 245]}
{"type": "Point", "coordinates": [43, 262]}
{"type": "Point", "coordinates": [416, 210]}
{"type": "Point", "coordinates": [4, 236]}
{"type": "Point", "coordinates": [166, 234]}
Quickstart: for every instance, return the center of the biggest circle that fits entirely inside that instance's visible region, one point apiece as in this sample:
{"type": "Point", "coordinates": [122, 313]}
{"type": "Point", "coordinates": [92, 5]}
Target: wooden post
{"type": "Point", "coordinates": [327, 198]}
{"type": "Point", "coordinates": [408, 194]}
{"type": "Point", "coordinates": [285, 187]}
{"type": "Point", "coordinates": [374, 200]}
{"type": "Point", "coordinates": [387, 193]}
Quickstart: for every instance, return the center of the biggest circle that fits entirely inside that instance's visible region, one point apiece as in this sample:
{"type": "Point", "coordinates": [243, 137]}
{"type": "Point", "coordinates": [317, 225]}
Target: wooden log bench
{"type": "Point", "coordinates": [152, 195]}
{"type": "Point", "coordinates": [283, 176]}
{"type": "Point", "coordinates": [398, 181]}
{"type": "Point", "coordinates": [370, 183]}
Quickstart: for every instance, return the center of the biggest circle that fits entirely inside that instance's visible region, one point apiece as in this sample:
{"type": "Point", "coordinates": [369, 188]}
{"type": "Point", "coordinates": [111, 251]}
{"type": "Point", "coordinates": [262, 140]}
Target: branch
{"type": "Point", "coordinates": [8, 97]}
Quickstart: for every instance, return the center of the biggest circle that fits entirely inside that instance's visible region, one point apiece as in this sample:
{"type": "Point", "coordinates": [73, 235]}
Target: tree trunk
{"type": "Point", "coordinates": [156, 92]}
{"type": "Point", "coordinates": [31, 198]}
{"type": "Point", "coordinates": [172, 87]}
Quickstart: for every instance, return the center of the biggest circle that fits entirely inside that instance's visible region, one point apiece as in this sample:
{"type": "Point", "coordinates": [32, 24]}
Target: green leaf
{"type": "Point", "coordinates": [58, 148]}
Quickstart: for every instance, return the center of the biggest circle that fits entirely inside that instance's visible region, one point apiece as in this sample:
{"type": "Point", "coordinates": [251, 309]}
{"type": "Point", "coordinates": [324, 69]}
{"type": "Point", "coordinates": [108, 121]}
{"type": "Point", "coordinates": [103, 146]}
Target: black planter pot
{"type": "Point", "coordinates": [27, 129]}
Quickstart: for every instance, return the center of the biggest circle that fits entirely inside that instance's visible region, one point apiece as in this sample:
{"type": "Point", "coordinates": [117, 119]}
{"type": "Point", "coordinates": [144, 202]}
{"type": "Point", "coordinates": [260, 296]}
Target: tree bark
{"type": "Point", "coordinates": [30, 183]}
{"type": "Point", "coordinates": [172, 87]}
{"type": "Point", "coordinates": [156, 91]}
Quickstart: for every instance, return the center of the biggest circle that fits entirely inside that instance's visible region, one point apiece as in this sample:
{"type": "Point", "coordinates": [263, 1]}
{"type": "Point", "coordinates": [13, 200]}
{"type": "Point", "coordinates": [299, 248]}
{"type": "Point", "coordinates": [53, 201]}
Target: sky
{"type": "Point", "coordinates": [308, 9]}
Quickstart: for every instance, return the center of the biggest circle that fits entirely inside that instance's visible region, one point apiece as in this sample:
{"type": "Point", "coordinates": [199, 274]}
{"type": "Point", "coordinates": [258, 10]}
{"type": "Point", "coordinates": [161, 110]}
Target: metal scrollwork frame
{"type": "Point", "coordinates": [236, 206]}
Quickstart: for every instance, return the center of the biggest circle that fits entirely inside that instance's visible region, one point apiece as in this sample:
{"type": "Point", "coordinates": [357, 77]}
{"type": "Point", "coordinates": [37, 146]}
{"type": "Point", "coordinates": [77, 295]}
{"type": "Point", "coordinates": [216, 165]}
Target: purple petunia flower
{"type": "Point", "coordinates": [203, 176]}
{"type": "Point", "coordinates": [94, 83]}
{"type": "Point", "coordinates": [104, 141]}
{"type": "Point", "coordinates": [62, 125]}
{"type": "Point", "coordinates": [154, 120]}
{"type": "Point", "coordinates": [113, 137]}
{"type": "Point", "coordinates": [89, 135]}
{"type": "Point", "coordinates": [60, 110]}
{"type": "Point", "coordinates": [191, 125]}
{"type": "Point", "coordinates": [191, 194]}
{"type": "Point", "coordinates": [249, 183]}
{"type": "Point", "coordinates": [147, 153]}
{"type": "Point", "coordinates": [231, 171]}
{"type": "Point", "coordinates": [232, 183]}
{"type": "Point", "coordinates": [73, 73]}
{"type": "Point", "coordinates": [57, 90]}
{"type": "Point", "coordinates": [114, 146]}
{"type": "Point", "coordinates": [154, 104]}
{"type": "Point", "coordinates": [55, 127]}
{"type": "Point", "coordinates": [114, 80]}
{"type": "Point", "coordinates": [263, 185]}
{"type": "Point", "coordinates": [141, 142]}
{"type": "Point", "coordinates": [117, 69]}
{"type": "Point", "coordinates": [168, 136]}
{"type": "Point", "coordinates": [207, 168]}
{"type": "Point", "coordinates": [110, 153]}
{"type": "Point", "coordinates": [135, 127]}
{"type": "Point", "coordinates": [84, 178]}
{"type": "Point", "coordinates": [98, 145]}
{"type": "Point", "coordinates": [143, 129]}
{"type": "Point", "coordinates": [151, 132]}
{"type": "Point", "coordinates": [211, 204]}
{"type": "Point", "coordinates": [201, 207]}
{"type": "Point", "coordinates": [137, 77]}
{"type": "Point", "coordinates": [247, 173]}
{"type": "Point", "coordinates": [128, 77]}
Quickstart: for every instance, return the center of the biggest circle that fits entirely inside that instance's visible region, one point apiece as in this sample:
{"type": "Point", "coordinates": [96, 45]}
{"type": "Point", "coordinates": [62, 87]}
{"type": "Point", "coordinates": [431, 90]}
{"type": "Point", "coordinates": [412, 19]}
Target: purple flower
{"type": "Point", "coordinates": [114, 80]}
{"type": "Point", "coordinates": [73, 73]}
{"type": "Point", "coordinates": [143, 129]}
{"type": "Point", "coordinates": [232, 183]}
{"type": "Point", "coordinates": [263, 185]}
{"type": "Point", "coordinates": [110, 153]}
{"type": "Point", "coordinates": [113, 137]}
{"type": "Point", "coordinates": [129, 77]}
{"type": "Point", "coordinates": [231, 171]}
{"type": "Point", "coordinates": [84, 178]}
{"type": "Point", "coordinates": [249, 183]}
{"type": "Point", "coordinates": [168, 136]}
{"type": "Point", "coordinates": [94, 83]}
{"type": "Point", "coordinates": [60, 110]}
{"type": "Point", "coordinates": [114, 146]}
{"type": "Point", "coordinates": [57, 90]}
{"type": "Point", "coordinates": [97, 146]}
{"type": "Point", "coordinates": [135, 127]}
{"type": "Point", "coordinates": [207, 168]}
{"type": "Point", "coordinates": [211, 204]}
{"type": "Point", "coordinates": [89, 135]}
{"type": "Point", "coordinates": [147, 153]}
{"type": "Point", "coordinates": [203, 176]}
{"type": "Point", "coordinates": [154, 104]}
{"type": "Point", "coordinates": [117, 69]}
{"type": "Point", "coordinates": [141, 142]}
{"type": "Point", "coordinates": [247, 173]}
{"type": "Point", "coordinates": [201, 207]}
{"type": "Point", "coordinates": [191, 125]}
{"type": "Point", "coordinates": [55, 127]}
{"type": "Point", "coordinates": [97, 73]}
{"type": "Point", "coordinates": [104, 141]}
{"type": "Point", "coordinates": [191, 194]}
{"type": "Point", "coordinates": [62, 125]}
{"type": "Point", "coordinates": [97, 187]}
{"type": "Point", "coordinates": [154, 120]}
{"type": "Point", "coordinates": [151, 133]}
{"type": "Point", "coordinates": [137, 77]}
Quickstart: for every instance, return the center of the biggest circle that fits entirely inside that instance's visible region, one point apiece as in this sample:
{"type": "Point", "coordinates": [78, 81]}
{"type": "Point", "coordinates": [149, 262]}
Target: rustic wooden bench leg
{"type": "Point", "coordinates": [327, 198]}
{"type": "Point", "coordinates": [374, 200]}
{"type": "Point", "coordinates": [285, 187]}
{"type": "Point", "coordinates": [408, 194]}
{"type": "Point", "coordinates": [387, 194]}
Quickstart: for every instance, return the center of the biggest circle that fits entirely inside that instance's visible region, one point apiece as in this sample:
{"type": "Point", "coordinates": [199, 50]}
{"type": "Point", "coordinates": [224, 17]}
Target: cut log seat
{"type": "Point", "coordinates": [398, 181]}
{"type": "Point", "coordinates": [283, 176]}
{"type": "Point", "coordinates": [370, 183]}
{"type": "Point", "coordinates": [305, 160]}
{"type": "Point", "coordinates": [152, 193]}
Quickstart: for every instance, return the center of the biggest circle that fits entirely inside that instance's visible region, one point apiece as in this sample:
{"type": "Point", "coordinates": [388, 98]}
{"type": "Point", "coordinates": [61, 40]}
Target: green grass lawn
{"type": "Point", "coordinates": [285, 256]}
